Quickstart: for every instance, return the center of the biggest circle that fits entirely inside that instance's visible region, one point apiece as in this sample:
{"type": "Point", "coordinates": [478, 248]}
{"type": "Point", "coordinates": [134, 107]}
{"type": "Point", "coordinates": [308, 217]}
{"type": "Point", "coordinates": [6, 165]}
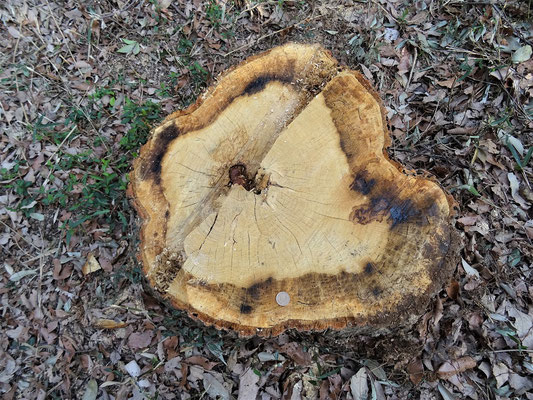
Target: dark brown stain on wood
{"type": "Point", "coordinates": [246, 308]}
{"type": "Point", "coordinates": [362, 183]}
{"type": "Point", "coordinates": [316, 288]}
{"type": "Point", "coordinates": [162, 141]}
{"type": "Point", "coordinates": [152, 168]}
{"type": "Point", "coordinates": [259, 83]}
{"type": "Point", "coordinates": [395, 209]}
{"type": "Point", "coordinates": [239, 176]}
{"type": "Point", "coordinates": [254, 291]}
{"type": "Point", "coordinates": [369, 268]}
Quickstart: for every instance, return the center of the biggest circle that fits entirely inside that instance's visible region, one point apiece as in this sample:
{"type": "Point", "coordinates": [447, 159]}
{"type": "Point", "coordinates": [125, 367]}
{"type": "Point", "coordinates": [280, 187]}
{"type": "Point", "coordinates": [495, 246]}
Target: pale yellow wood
{"type": "Point", "coordinates": [320, 213]}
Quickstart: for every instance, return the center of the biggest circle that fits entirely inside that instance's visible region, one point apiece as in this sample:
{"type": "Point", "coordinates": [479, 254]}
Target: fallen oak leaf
{"type": "Point", "coordinates": [140, 340]}
{"type": "Point", "coordinates": [91, 265]}
{"type": "Point", "coordinates": [296, 353]}
{"type": "Point", "coordinates": [452, 368]}
{"type": "Point", "coordinates": [415, 369]}
{"type": "Point", "coordinates": [201, 361]}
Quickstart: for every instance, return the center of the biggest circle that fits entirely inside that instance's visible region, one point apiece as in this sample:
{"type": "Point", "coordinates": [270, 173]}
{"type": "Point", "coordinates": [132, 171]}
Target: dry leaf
{"type": "Point", "coordinates": [359, 385]}
{"type": "Point", "coordinates": [214, 388]}
{"type": "Point", "coordinates": [521, 384]}
{"type": "Point", "coordinates": [523, 324]}
{"type": "Point", "coordinates": [164, 4]}
{"type": "Point", "coordinates": [515, 186]}
{"type": "Point", "coordinates": [91, 265]}
{"type": "Point", "coordinates": [133, 368]}
{"type": "Point", "coordinates": [447, 83]}
{"type": "Point", "coordinates": [201, 361]}
{"type": "Point", "coordinates": [377, 390]}
{"type": "Point", "coordinates": [445, 393]}
{"type": "Point", "coordinates": [405, 62]}
{"type": "Point", "coordinates": [296, 353]}
{"type": "Point", "coordinates": [140, 340]}
{"type": "Point", "coordinates": [522, 54]}
{"type": "Point", "coordinates": [469, 269]}
{"type": "Point", "coordinates": [451, 368]}
{"type": "Point", "coordinates": [469, 220]}
{"type": "Point", "coordinates": [416, 370]}
{"type": "Point", "coordinates": [91, 390]}
{"type": "Point", "coordinates": [14, 32]}
{"type": "Point", "coordinates": [248, 387]}
{"type": "Point", "coordinates": [501, 373]}
{"type": "Point", "coordinates": [453, 289]}
{"type": "Point", "coordinates": [103, 323]}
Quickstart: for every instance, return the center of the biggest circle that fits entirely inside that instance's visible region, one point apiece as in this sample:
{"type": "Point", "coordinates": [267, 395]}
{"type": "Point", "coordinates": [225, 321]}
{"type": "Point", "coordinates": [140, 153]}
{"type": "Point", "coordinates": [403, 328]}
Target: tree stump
{"type": "Point", "coordinates": [272, 204]}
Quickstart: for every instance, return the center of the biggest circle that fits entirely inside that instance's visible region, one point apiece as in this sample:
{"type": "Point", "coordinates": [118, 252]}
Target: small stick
{"type": "Point", "coordinates": [245, 46]}
{"type": "Point", "coordinates": [412, 68]}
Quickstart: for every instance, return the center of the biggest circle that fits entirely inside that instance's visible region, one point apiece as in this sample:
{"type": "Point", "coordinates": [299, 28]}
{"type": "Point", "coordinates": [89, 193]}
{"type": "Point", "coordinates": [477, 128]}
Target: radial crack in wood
{"type": "Point", "coordinates": [271, 203]}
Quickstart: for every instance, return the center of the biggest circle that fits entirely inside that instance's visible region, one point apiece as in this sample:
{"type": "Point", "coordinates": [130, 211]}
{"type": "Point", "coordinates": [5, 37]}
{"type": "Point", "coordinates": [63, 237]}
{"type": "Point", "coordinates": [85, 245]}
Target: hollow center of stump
{"type": "Point", "coordinates": [239, 176]}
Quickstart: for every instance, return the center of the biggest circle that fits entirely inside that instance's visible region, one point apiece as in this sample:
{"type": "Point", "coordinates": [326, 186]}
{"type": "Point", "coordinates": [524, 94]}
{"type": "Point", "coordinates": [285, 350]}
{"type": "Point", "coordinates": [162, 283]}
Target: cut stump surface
{"type": "Point", "coordinates": [271, 203]}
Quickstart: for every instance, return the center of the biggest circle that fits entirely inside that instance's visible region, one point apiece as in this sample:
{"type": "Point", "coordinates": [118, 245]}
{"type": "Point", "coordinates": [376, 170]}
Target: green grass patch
{"type": "Point", "coordinates": [92, 186]}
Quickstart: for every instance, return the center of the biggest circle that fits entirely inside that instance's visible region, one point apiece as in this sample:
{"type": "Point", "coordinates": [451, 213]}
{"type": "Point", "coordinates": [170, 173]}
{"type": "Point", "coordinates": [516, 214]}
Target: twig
{"type": "Point", "coordinates": [19, 235]}
{"type": "Point", "coordinates": [516, 31]}
{"type": "Point", "coordinates": [459, 50]}
{"type": "Point", "coordinates": [412, 68]}
{"type": "Point", "coordinates": [387, 11]}
{"type": "Point", "coordinates": [249, 9]}
{"type": "Point", "coordinates": [55, 152]}
{"type": "Point", "coordinates": [63, 36]}
{"type": "Point", "coordinates": [432, 118]}
{"type": "Point", "coordinates": [507, 351]}
{"type": "Point", "coordinates": [245, 46]}
{"type": "Point", "coordinates": [113, 13]}
{"type": "Point", "coordinates": [41, 267]}
{"type": "Point", "coordinates": [16, 45]}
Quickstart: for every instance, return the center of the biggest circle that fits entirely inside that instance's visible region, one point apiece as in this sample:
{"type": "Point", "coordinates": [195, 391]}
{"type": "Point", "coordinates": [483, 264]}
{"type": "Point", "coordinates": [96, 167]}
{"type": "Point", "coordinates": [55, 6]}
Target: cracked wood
{"type": "Point", "coordinates": [277, 181]}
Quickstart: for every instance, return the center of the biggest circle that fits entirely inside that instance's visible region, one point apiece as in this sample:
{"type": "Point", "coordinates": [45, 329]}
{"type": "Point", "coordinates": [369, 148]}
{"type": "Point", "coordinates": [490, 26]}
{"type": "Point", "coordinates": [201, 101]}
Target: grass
{"type": "Point", "coordinates": [197, 74]}
{"type": "Point", "coordinates": [87, 185]}
{"type": "Point", "coordinates": [214, 14]}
